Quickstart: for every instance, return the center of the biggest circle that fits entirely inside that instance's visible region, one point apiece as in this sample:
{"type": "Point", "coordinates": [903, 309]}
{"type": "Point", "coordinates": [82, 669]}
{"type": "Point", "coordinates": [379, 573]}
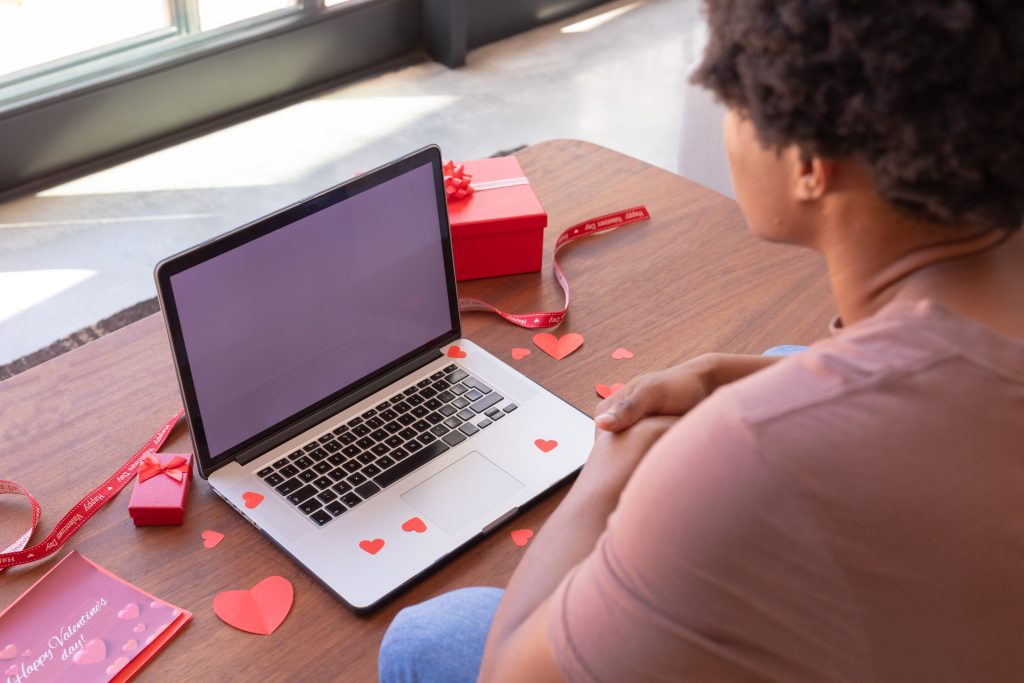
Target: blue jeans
{"type": "Point", "coordinates": [440, 640]}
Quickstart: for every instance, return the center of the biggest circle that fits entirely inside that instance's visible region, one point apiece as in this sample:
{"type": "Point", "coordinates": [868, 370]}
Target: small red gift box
{"type": "Point", "coordinates": [161, 489]}
{"type": "Point", "coordinates": [497, 229]}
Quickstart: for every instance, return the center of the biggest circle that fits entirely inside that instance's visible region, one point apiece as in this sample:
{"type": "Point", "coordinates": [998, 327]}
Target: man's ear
{"type": "Point", "coordinates": [814, 176]}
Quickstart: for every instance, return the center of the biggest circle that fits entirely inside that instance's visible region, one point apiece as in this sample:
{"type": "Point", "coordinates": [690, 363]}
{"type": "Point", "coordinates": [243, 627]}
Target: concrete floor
{"type": "Point", "coordinates": [74, 254]}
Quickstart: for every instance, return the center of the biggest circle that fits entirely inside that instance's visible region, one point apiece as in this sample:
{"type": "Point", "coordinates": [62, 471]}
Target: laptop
{"type": "Point", "coordinates": [331, 398]}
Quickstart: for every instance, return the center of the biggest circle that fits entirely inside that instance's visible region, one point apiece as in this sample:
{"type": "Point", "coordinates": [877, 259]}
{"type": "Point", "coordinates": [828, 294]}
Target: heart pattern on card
{"type": "Point", "coordinates": [93, 651]}
{"type": "Point", "coordinates": [12, 671]}
{"type": "Point", "coordinates": [260, 609]}
{"type": "Point", "coordinates": [413, 524]}
{"type": "Point", "coordinates": [456, 351]}
{"type": "Point", "coordinates": [117, 665]}
{"type": "Point", "coordinates": [211, 538]}
{"type": "Point", "coordinates": [252, 499]}
{"type": "Point", "coordinates": [373, 547]}
{"type": "Point", "coordinates": [604, 391]}
{"type": "Point", "coordinates": [546, 445]}
{"type": "Point", "coordinates": [130, 611]}
{"type": "Point", "coordinates": [520, 353]}
{"type": "Point", "coordinates": [521, 536]}
{"type": "Point", "coordinates": [130, 645]}
{"type": "Point", "coordinates": [8, 652]}
{"type": "Point", "coordinates": [139, 627]}
{"type": "Point", "coordinates": [622, 354]}
{"type": "Point", "coordinates": [558, 347]}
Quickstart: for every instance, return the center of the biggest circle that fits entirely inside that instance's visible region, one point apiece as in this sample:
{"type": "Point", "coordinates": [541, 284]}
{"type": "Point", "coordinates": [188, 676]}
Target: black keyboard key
{"type": "Point", "coordinates": [366, 458]}
{"type": "Point", "coordinates": [365, 443]}
{"type": "Point", "coordinates": [484, 423]}
{"type": "Point", "coordinates": [357, 479]}
{"type": "Point", "coordinates": [441, 386]}
{"type": "Point", "coordinates": [426, 437]}
{"type": "Point", "coordinates": [332, 446]}
{"type": "Point", "coordinates": [409, 391]}
{"type": "Point", "coordinates": [428, 393]}
{"type": "Point", "coordinates": [420, 411]}
{"type": "Point", "coordinates": [437, 375]}
{"type": "Point", "coordinates": [424, 383]}
{"type": "Point", "coordinates": [458, 376]}
{"type": "Point", "coordinates": [510, 407]}
{"type": "Point", "coordinates": [388, 415]}
{"type": "Point", "coordinates": [274, 479]}
{"type": "Point", "coordinates": [415, 400]}
{"type": "Point", "coordinates": [311, 446]}
{"type": "Point", "coordinates": [435, 418]}
{"type": "Point", "coordinates": [322, 467]}
{"type": "Point", "coordinates": [325, 438]}
{"type": "Point", "coordinates": [351, 451]}
{"type": "Point", "coordinates": [406, 419]}
{"type": "Point", "coordinates": [396, 398]}
{"type": "Point", "coordinates": [288, 486]}
{"type": "Point", "coordinates": [303, 463]}
{"type": "Point", "coordinates": [351, 500]}
{"type": "Point", "coordinates": [340, 430]}
{"type": "Point", "coordinates": [374, 423]}
{"type": "Point", "coordinates": [361, 430]}
{"type": "Point", "coordinates": [318, 455]}
{"type": "Point", "coordinates": [399, 454]}
{"type": "Point", "coordinates": [310, 506]}
{"type": "Point", "coordinates": [367, 489]}
{"type": "Point", "coordinates": [492, 412]}
{"type": "Point", "coordinates": [355, 421]}
{"type": "Point", "coordinates": [477, 384]}
{"type": "Point", "coordinates": [299, 495]}
{"type": "Point", "coordinates": [370, 471]}
{"type": "Point", "coordinates": [393, 441]}
{"type": "Point", "coordinates": [498, 416]}
{"type": "Point", "coordinates": [472, 395]}
{"type": "Point", "coordinates": [459, 402]}
{"type": "Point", "coordinates": [469, 429]}
{"type": "Point", "coordinates": [487, 401]}
{"type": "Point", "coordinates": [335, 508]}
{"type": "Point", "coordinates": [342, 487]}
{"type": "Point", "coordinates": [401, 407]}
{"type": "Point", "coordinates": [368, 414]}
{"type": "Point", "coordinates": [307, 475]}
{"type": "Point", "coordinates": [450, 368]}
{"type": "Point", "coordinates": [421, 426]}
{"type": "Point", "coordinates": [289, 471]}
{"type": "Point", "coordinates": [433, 404]}
{"type": "Point", "coordinates": [413, 446]}
{"type": "Point", "coordinates": [453, 422]}
{"type": "Point", "coordinates": [351, 466]}
{"type": "Point", "coordinates": [379, 435]}
{"type": "Point", "coordinates": [323, 483]}
{"type": "Point", "coordinates": [467, 414]}
{"type": "Point", "coordinates": [384, 462]}
{"type": "Point", "coordinates": [392, 427]}
{"type": "Point", "coordinates": [447, 410]}
{"type": "Point", "coordinates": [453, 438]}
{"type": "Point", "coordinates": [407, 433]}
{"type": "Point", "coordinates": [439, 430]}
{"type": "Point", "coordinates": [337, 474]}
{"type": "Point", "coordinates": [320, 517]}
{"type": "Point", "coordinates": [458, 390]}
{"type": "Point", "coordinates": [347, 438]}
{"type": "Point", "coordinates": [410, 464]}
{"type": "Point", "coordinates": [326, 496]}
{"type": "Point", "coordinates": [336, 459]}
{"type": "Point", "coordinates": [296, 455]}
{"type": "Point", "coordinates": [379, 449]}
{"type": "Point", "coordinates": [267, 471]}
{"type": "Point", "coordinates": [281, 463]}
{"type": "Point", "coordinates": [382, 405]}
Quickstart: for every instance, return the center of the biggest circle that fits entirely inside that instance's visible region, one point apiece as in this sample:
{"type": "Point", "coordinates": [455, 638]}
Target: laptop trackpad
{"type": "Point", "coordinates": [461, 492]}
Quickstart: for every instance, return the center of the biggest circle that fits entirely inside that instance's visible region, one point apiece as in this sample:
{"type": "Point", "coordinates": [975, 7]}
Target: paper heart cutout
{"type": "Point", "coordinates": [12, 671]}
{"type": "Point", "coordinates": [604, 391]}
{"type": "Point", "coordinates": [521, 536]}
{"type": "Point", "coordinates": [252, 499]}
{"type": "Point", "coordinates": [520, 353]}
{"type": "Point", "coordinates": [211, 538]}
{"type": "Point", "coordinates": [622, 353]}
{"type": "Point", "coordinates": [373, 547]}
{"type": "Point", "coordinates": [413, 524]}
{"type": "Point", "coordinates": [456, 352]}
{"type": "Point", "coordinates": [130, 611]}
{"type": "Point", "coordinates": [139, 627]}
{"type": "Point", "coordinates": [545, 445]}
{"type": "Point", "coordinates": [260, 610]}
{"type": "Point", "coordinates": [8, 652]}
{"type": "Point", "coordinates": [558, 347]}
{"type": "Point", "coordinates": [130, 645]}
{"type": "Point", "coordinates": [117, 665]}
{"type": "Point", "coordinates": [156, 604]}
{"type": "Point", "coordinates": [93, 651]}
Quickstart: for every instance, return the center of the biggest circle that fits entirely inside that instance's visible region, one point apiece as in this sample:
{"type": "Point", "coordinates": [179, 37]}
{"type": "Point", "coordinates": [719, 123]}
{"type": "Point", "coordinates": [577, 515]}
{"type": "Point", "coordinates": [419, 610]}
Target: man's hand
{"type": "Point", "coordinates": [674, 391]}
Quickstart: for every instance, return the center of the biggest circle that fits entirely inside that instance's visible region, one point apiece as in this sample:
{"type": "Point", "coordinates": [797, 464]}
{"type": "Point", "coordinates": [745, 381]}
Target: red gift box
{"type": "Point", "coordinates": [498, 229]}
{"type": "Point", "coordinates": [159, 496]}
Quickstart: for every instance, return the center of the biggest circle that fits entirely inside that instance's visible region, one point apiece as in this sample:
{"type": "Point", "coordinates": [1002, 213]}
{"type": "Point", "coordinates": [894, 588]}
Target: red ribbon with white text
{"type": "Point", "coordinates": [593, 226]}
{"type": "Point", "coordinates": [16, 553]}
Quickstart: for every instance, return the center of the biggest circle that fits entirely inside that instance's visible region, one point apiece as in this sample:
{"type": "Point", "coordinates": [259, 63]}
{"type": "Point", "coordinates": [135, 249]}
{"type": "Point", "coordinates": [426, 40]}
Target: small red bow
{"type": "Point", "coordinates": [456, 181]}
{"type": "Point", "coordinates": [176, 468]}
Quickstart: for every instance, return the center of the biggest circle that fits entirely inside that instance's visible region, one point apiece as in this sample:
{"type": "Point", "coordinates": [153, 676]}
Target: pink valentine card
{"type": "Point", "coordinates": [79, 622]}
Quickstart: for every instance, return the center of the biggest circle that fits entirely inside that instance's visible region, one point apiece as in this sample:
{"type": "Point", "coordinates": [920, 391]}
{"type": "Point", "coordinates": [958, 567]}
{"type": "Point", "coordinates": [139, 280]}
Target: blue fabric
{"type": "Point", "coordinates": [784, 350]}
{"type": "Point", "coordinates": [440, 640]}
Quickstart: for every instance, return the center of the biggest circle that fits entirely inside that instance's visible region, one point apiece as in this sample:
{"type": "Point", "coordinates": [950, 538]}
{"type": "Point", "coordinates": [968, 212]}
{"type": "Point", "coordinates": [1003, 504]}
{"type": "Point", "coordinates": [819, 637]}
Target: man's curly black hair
{"type": "Point", "coordinates": [928, 94]}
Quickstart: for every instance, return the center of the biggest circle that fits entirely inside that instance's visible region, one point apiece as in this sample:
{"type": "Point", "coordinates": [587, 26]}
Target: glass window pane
{"type": "Point", "coordinates": [332, 3]}
{"type": "Point", "coordinates": [34, 32]}
{"type": "Point", "coordinates": [217, 13]}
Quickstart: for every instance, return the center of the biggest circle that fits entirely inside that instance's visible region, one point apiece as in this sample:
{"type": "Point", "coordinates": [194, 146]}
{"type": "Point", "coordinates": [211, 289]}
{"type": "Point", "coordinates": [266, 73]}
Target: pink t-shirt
{"type": "Point", "coordinates": [854, 513]}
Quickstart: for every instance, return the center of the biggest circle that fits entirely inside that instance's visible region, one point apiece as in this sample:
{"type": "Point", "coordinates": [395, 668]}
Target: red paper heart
{"type": "Point", "coordinates": [519, 354]}
{"type": "Point", "coordinates": [252, 499]}
{"type": "Point", "coordinates": [456, 352]}
{"type": "Point", "coordinates": [545, 446]}
{"type": "Point", "coordinates": [130, 611]}
{"type": "Point", "coordinates": [414, 524]}
{"type": "Point", "coordinates": [261, 609]}
{"type": "Point", "coordinates": [621, 353]}
{"type": "Point", "coordinates": [604, 391]}
{"type": "Point", "coordinates": [521, 536]}
{"type": "Point", "coordinates": [93, 651]}
{"type": "Point", "coordinates": [558, 347]}
{"type": "Point", "coordinates": [8, 652]}
{"type": "Point", "coordinates": [373, 547]}
{"type": "Point", "coordinates": [211, 538]}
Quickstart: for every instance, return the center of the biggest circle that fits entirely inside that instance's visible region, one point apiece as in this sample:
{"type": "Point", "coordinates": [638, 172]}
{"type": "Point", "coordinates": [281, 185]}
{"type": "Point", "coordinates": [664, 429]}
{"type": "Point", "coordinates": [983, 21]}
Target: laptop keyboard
{"type": "Point", "coordinates": [339, 470]}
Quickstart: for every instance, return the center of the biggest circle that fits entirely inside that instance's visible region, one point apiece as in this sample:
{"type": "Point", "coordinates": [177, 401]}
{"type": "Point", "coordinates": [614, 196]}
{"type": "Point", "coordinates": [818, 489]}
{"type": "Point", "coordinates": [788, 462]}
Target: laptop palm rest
{"type": "Point", "coordinates": [462, 492]}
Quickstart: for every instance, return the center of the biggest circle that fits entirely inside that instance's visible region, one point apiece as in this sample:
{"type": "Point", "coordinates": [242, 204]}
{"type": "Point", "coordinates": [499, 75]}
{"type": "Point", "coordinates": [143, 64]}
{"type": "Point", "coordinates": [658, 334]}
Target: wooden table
{"type": "Point", "coordinates": [689, 281]}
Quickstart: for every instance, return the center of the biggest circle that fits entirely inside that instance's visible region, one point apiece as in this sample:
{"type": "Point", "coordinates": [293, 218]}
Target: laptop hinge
{"type": "Point", "coordinates": [273, 441]}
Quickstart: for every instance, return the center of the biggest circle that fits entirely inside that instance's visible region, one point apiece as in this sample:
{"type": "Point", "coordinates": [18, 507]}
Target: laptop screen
{"type": "Point", "coordinates": [285, 320]}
